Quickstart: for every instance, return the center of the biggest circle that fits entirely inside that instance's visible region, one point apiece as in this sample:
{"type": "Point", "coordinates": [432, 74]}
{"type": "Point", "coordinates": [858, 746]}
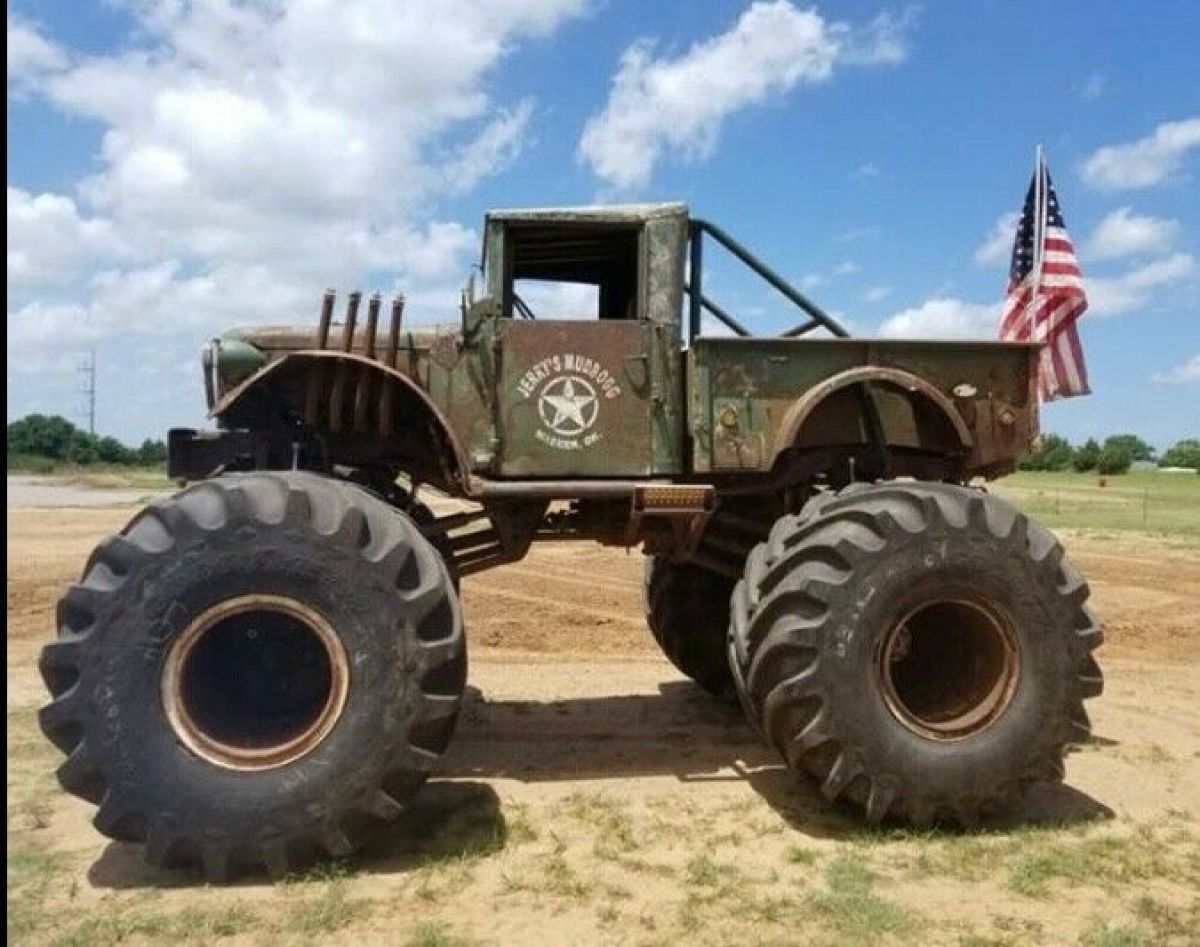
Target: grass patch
{"type": "Point", "coordinates": [32, 464]}
{"type": "Point", "coordinates": [615, 834]}
{"type": "Point", "coordinates": [1107, 861]}
{"type": "Point", "coordinates": [1105, 934]}
{"type": "Point", "coordinates": [436, 934]}
{"type": "Point", "coordinates": [801, 856]}
{"type": "Point", "coordinates": [520, 829]}
{"type": "Point", "coordinates": [1168, 924]}
{"type": "Point", "coordinates": [444, 876]}
{"type": "Point", "coordinates": [961, 857]}
{"type": "Point", "coordinates": [452, 823]}
{"type": "Point", "coordinates": [560, 879]}
{"type": "Point", "coordinates": [29, 876]}
{"type": "Point", "coordinates": [101, 476]}
{"type": "Point", "coordinates": [195, 924]}
{"type": "Point", "coordinates": [322, 872]}
{"type": "Point", "coordinates": [24, 738]}
{"type": "Point", "coordinates": [643, 866]}
{"type": "Point", "coordinates": [332, 910]}
{"type": "Point", "coordinates": [768, 909]}
{"type": "Point", "coordinates": [705, 872]}
{"type": "Point", "coordinates": [851, 907]}
{"type": "Point", "coordinates": [31, 762]}
{"type": "Point", "coordinates": [1166, 504]}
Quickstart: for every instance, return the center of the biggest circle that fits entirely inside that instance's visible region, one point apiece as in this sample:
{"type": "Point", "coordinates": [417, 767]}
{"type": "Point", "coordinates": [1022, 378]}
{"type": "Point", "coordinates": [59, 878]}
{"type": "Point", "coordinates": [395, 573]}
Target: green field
{"type": "Point", "coordinates": [99, 475]}
{"type": "Point", "coordinates": [1166, 504]}
{"type": "Point", "coordinates": [1163, 504]}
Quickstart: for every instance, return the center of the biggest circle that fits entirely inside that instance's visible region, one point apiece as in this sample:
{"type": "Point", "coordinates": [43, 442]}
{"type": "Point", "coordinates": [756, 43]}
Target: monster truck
{"type": "Point", "coordinates": [263, 667]}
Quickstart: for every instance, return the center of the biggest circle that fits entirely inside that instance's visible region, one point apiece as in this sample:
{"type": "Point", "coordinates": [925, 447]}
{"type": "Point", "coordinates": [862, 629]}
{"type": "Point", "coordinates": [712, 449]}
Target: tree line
{"type": "Point", "coordinates": [53, 438]}
{"type": "Point", "coordinates": [1115, 456]}
{"type": "Point", "coordinates": [56, 439]}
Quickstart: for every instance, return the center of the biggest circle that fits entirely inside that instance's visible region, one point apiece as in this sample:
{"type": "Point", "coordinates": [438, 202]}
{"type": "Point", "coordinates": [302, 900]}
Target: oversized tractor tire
{"type": "Point", "coordinates": [922, 650]}
{"type": "Point", "coordinates": [687, 609]}
{"type": "Point", "coordinates": [426, 519]}
{"type": "Point", "coordinates": [256, 671]}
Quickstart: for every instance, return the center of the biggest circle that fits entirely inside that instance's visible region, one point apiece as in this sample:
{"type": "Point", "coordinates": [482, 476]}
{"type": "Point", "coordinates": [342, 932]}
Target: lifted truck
{"type": "Point", "coordinates": [259, 669]}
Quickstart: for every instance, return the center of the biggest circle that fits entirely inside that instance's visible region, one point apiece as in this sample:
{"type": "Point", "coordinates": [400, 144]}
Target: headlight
{"type": "Point", "coordinates": [226, 363]}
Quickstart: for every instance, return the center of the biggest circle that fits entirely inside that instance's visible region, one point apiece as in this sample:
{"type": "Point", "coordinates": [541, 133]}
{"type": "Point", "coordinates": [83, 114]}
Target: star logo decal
{"type": "Point", "coordinates": [568, 405]}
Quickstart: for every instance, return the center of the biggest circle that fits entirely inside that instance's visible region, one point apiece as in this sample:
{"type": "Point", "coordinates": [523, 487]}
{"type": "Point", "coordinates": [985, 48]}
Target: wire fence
{"type": "Point", "coordinates": [1171, 505]}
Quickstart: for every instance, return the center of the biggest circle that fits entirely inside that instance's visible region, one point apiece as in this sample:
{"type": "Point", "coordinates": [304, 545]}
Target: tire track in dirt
{"type": "Point", "coordinates": [543, 571]}
{"type": "Point", "coordinates": [550, 602]}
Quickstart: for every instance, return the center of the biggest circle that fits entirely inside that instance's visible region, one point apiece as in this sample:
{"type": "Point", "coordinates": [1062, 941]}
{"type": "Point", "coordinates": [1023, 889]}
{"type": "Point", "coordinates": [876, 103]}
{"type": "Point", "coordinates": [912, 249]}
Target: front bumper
{"type": "Point", "coordinates": [198, 455]}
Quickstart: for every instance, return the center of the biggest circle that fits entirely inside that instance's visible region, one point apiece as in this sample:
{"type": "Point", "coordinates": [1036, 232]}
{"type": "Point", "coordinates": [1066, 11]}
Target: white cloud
{"type": "Point", "coordinates": [846, 268]}
{"type": "Point", "coordinates": [1124, 233]}
{"type": "Point", "coordinates": [50, 242]}
{"type": "Point", "coordinates": [253, 128]}
{"type": "Point", "coordinates": [1145, 162]}
{"type": "Point", "coordinates": [1139, 287]}
{"type": "Point", "coordinates": [251, 156]}
{"type": "Point", "coordinates": [680, 103]}
{"type": "Point", "coordinates": [1187, 373]}
{"type": "Point", "coordinates": [495, 148]}
{"type": "Point", "coordinates": [875, 294]}
{"type": "Point", "coordinates": [47, 337]}
{"type": "Point", "coordinates": [866, 170]}
{"type": "Point", "coordinates": [944, 318]}
{"type": "Point", "coordinates": [997, 245]}
{"type": "Point", "coordinates": [882, 41]}
{"type": "Point", "coordinates": [31, 57]}
{"type": "Point", "coordinates": [254, 153]}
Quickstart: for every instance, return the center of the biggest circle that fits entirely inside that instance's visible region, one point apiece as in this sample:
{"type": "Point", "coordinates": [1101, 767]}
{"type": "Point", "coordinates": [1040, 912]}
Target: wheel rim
{"type": "Point", "coordinates": [255, 682]}
{"type": "Point", "coordinates": [949, 668]}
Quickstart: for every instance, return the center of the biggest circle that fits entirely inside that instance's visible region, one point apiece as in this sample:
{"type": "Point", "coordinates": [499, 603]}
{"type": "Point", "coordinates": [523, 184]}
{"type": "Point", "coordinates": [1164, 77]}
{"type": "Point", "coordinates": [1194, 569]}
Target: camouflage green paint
{"type": "Point", "coordinates": [664, 242]}
{"type": "Point", "coordinates": [622, 398]}
{"type": "Point", "coordinates": [753, 383]}
{"type": "Point", "coordinates": [574, 398]}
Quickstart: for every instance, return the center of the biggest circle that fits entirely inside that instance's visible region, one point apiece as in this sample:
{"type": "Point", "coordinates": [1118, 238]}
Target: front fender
{"type": "Point", "coordinates": [343, 392]}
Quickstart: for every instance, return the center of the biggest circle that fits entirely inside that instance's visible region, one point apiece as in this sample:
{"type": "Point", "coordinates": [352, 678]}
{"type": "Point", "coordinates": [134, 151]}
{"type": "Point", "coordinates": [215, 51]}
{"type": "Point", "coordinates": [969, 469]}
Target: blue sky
{"type": "Point", "coordinates": [176, 168]}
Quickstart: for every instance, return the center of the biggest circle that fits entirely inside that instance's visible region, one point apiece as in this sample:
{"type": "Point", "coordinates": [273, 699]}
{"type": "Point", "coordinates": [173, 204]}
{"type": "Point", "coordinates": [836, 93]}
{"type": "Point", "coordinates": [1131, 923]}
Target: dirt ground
{"type": "Point", "coordinates": [594, 796]}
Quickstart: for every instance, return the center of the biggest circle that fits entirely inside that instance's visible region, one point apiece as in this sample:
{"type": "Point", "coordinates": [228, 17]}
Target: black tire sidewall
{"type": "Point", "coordinates": [687, 610]}
{"type": "Point", "coordinates": [145, 760]}
{"type": "Point", "coordinates": [946, 563]}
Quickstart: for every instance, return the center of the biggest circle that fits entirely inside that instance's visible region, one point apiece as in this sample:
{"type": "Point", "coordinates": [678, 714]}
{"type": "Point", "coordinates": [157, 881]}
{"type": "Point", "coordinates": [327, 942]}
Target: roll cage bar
{"type": "Point", "coordinates": [697, 301]}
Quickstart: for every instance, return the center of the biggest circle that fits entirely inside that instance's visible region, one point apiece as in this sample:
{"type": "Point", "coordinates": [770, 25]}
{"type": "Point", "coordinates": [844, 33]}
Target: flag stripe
{"type": "Point", "coordinates": [1046, 297]}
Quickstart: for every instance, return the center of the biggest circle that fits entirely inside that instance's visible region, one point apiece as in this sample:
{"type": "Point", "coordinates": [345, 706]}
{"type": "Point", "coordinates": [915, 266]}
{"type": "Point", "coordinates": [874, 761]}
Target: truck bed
{"type": "Point", "coordinates": [751, 400]}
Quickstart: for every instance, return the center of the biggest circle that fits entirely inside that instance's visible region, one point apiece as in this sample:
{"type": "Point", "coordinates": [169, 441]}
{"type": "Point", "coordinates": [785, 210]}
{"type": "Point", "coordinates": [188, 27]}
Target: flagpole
{"type": "Point", "coordinates": [1039, 219]}
{"type": "Point", "coordinates": [1039, 235]}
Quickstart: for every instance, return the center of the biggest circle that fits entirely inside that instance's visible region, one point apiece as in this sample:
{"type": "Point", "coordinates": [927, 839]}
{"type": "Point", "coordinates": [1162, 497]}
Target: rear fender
{"type": "Point", "coordinates": [921, 393]}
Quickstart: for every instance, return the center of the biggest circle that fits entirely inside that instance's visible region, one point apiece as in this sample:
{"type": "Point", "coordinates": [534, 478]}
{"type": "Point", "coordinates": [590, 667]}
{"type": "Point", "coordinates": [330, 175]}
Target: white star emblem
{"type": "Point", "coordinates": [568, 405]}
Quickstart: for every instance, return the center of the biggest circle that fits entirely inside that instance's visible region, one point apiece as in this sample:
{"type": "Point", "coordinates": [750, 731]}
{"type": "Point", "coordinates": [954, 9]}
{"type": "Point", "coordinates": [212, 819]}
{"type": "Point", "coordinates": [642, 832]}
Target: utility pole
{"type": "Point", "coordinates": [87, 374]}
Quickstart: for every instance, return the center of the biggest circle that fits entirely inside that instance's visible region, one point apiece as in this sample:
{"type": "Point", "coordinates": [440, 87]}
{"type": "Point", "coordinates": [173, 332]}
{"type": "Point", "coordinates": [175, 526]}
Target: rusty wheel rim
{"type": "Point", "coordinates": [255, 682]}
{"type": "Point", "coordinates": [949, 668]}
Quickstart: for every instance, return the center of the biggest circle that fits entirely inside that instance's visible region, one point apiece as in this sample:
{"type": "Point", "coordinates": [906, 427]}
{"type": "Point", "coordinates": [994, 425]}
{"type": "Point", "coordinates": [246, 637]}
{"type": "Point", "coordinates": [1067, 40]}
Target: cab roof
{"type": "Point", "coordinates": [597, 213]}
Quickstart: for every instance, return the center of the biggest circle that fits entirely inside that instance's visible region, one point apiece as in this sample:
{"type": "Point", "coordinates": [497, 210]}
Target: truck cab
{"type": "Point", "coordinates": [588, 342]}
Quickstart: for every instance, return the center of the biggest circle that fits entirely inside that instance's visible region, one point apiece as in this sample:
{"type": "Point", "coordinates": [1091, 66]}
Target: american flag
{"type": "Point", "coordinates": [1045, 296]}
